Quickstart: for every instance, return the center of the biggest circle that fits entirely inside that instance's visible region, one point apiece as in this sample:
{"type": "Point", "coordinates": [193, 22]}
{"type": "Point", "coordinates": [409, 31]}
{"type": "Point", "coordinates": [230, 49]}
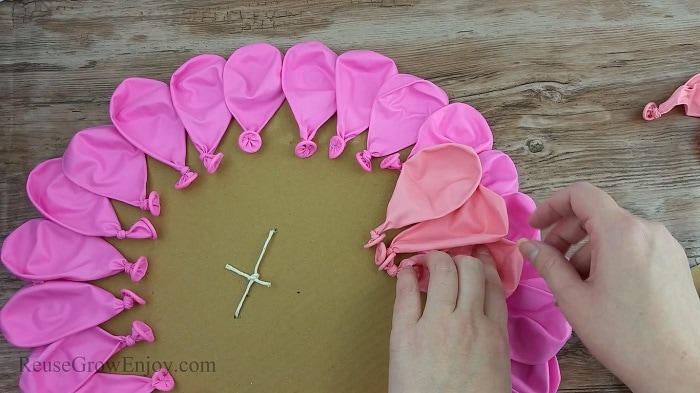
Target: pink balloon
{"type": "Point", "coordinates": [539, 378]}
{"type": "Point", "coordinates": [197, 91]}
{"type": "Point", "coordinates": [402, 105]}
{"type": "Point", "coordinates": [308, 81]}
{"type": "Point", "coordinates": [429, 188]}
{"type": "Point", "coordinates": [65, 365]}
{"type": "Point", "coordinates": [455, 123]}
{"type": "Point", "coordinates": [253, 90]}
{"type": "Point", "coordinates": [77, 209]}
{"type": "Point", "coordinates": [143, 112]}
{"type": "Point", "coordinates": [101, 161]}
{"type": "Point", "coordinates": [358, 76]}
{"type": "Point", "coordinates": [119, 383]}
{"type": "Point", "coordinates": [520, 207]}
{"type": "Point", "coordinates": [482, 219]}
{"type": "Point", "coordinates": [687, 95]}
{"type": "Point", "coordinates": [537, 329]}
{"type": "Point", "coordinates": [43, 313]}
{"type": "Point", "coordinates": [499, 173]}
{"type": "Point", "coordinates": [41, 250]}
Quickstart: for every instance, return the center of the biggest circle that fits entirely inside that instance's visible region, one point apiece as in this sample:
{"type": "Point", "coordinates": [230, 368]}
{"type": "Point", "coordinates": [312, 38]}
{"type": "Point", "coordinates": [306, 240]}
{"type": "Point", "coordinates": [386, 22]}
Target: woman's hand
{"type": "Point", "coordinates": [627, 291]}
{"type": "Point", "coordinates": [459, 343]}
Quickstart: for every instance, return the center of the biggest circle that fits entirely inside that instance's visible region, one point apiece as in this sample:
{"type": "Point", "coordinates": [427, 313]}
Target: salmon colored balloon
{"type": "Point", "coordinates": [429, 188]}
{"type": "Point", "coordinates": [197, 91]}
{"type": "Point", "coordinates": [41, 250]}
{"type": "Point", "coordinates": [481, 220]}
{"type": "Point", "coordinates": [687, 95]}
{"type": "Point", "coordinates": [455, 123]}
{"type": "Point", "coordinates": [505, 254]}
{"type": "Point", "coordinates": [77, 209]}
{"type": "Point", "coordinates": [101, 161]}
{"type": "Point", "coordinates": [358, 76]}
{"type": "Point", "coordinates": [44, 313]}
{"type": "Point", "coordinates": [403, 104]}
{"type": "Point", "coordinates": [85, 351]}
{"type": "Point", "coordinates": [161, 381]}
{"type": "Point", "coordinates": [253, 90]}
{"type": "Point", "coordinates": [143, 112]}
{"type": "Point", "coordinates": [308, 81]}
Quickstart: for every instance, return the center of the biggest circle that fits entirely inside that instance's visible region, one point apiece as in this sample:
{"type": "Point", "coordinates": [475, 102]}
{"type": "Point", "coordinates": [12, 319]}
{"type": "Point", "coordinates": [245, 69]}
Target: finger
{"type": "Point", "coordinates": [566, 232]}
{"type": "Point", "coordinates": [495, 302]}
{"type": "Point", "coordinates": [581, 260]}
{"type": "Point", "coordinates": [442, 286]}
{"type": "Point", "coordinates": [472, 285]}
{"type": "Point", "coordinates": [561, 277]}
{"type": "Point", "coordinates": [582, 200]}
{"type": "Point", "coordinates": [407, 304]}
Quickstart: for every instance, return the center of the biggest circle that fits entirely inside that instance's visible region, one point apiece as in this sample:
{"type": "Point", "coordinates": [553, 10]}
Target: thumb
{"type": "Point", "coordinates": [560, 275]}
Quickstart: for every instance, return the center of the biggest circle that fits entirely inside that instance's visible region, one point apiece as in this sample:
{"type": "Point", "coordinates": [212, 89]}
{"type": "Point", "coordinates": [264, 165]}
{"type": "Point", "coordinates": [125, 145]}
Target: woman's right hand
{"type": "Point", "coordinates": [627, 291]}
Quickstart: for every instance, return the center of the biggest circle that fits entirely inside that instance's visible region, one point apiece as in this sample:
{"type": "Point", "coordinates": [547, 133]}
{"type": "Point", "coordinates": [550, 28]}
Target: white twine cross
{"type": "Point", "coordinates": [252, 278]}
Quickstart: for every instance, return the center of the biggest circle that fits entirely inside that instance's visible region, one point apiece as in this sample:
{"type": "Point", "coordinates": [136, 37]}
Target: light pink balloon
{"type": "Point", "coordinates": [197, 91]}
{"type": "Point", "coordinates": [72, 360]}
{"type": "Point", "coordinates": [402, 105]}
{"type": "Point", "coordinates": [143, 112]}
{"type": "Point", "coordinates": [308, 81]}
{"type": "Point", "coordinates": [44, 313]}
{"type": "Point", "coordinates": [429, 188]}
{"type": "Point", "coordinates": [77, 209]}
{"type": "Point", "coordinates": [687, 95]}
{"type": "Point", "coordinates": [101, 161]}
{"type": "Point", "coordinates": [358, 76]}
{"type": "Point", "coordinates": [41, 250]}
{"type": "Point", "coordinates": [482, 219]}
{"type": "Point", "coordinates": [253, 90]}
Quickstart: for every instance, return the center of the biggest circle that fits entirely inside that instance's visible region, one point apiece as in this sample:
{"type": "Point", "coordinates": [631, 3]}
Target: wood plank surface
{"type": "Point", "coordinates": [562, 84]}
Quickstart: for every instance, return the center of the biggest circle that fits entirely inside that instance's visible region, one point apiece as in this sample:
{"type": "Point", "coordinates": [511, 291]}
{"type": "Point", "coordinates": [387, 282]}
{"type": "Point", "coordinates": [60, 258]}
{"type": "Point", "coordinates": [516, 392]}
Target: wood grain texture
{"type": "Point", "coordinates": [562, 83]}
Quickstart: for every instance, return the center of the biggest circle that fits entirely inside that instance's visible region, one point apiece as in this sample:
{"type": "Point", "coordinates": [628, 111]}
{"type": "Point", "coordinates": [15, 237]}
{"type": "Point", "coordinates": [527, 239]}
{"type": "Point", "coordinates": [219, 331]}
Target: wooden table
{"type": "Point", "coordinates": [562, 83]}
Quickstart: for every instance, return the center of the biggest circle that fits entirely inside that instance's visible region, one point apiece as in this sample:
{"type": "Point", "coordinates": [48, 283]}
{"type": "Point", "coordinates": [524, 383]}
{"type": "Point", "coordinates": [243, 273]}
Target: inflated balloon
{"type": "Point", "coordinates": [73, 207]}
{"type": "Point", "coordinates": [101, 161]}
{"type": "Point", "coordinates": [197, 91]}
{"type": "Point", "coordinates": [253, 90]}
{"type": "Point", "coordinates": [358, 76]}
{"type": "Point", "coordinates": [143, 112]}
{"type": "Point", "coordinates": [308, 80]}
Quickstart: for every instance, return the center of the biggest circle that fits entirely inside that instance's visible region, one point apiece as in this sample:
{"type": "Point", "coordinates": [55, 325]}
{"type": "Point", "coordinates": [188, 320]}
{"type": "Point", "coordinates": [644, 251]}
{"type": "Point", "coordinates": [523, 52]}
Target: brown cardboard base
{"type": "Point", "coordinates": [323, 325]}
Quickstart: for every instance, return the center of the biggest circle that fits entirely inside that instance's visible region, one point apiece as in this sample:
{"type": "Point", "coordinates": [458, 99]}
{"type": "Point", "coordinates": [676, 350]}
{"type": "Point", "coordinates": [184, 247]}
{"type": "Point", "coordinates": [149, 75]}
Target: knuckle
{"type": "Point", "coordinates": [444, 265]}
{"type": "Point", "coordinates": [406, 288]}
{"type": "Point", "coordinates": [470, 263]}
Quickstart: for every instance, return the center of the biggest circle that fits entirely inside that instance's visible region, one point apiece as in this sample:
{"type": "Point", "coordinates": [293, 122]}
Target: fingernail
{"type": "Point", "coordinates": [482, 251]}
{"type": "Point", "coordinates": [528, 249]}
